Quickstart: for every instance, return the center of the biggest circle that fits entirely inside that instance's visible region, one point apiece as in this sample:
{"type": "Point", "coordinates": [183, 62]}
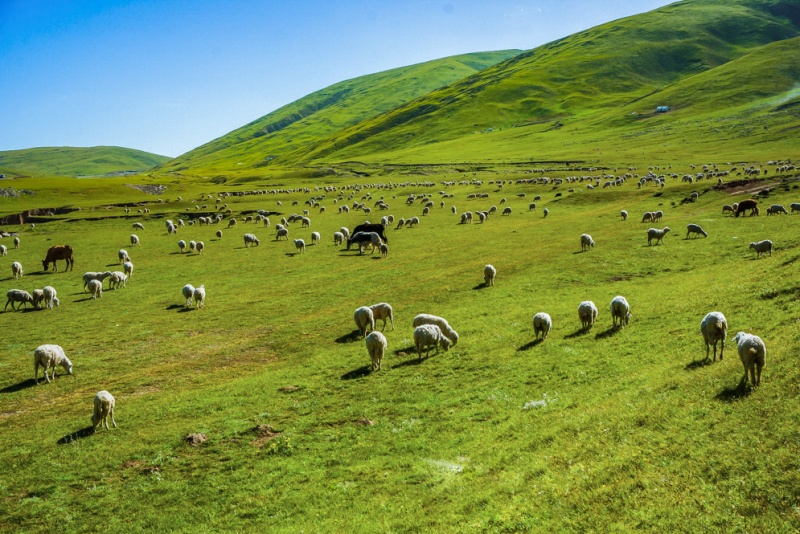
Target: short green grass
{"type": "Point", "coordinates": [76, 161]}
{"type": "Point", "coordinates": [605, 430]}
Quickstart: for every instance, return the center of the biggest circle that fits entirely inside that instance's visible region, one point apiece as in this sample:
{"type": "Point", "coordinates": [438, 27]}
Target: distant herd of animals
{"type": "Point", "coordinates": [430, 331]}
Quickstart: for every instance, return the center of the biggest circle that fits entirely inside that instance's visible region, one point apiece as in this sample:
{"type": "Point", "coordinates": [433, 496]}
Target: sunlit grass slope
{"type": "Point", "coordinates": [601, 430]}
{"type": "Point", "coordinates": [76, 161]}
{"type": "Point", "coordinates": [329, 110]}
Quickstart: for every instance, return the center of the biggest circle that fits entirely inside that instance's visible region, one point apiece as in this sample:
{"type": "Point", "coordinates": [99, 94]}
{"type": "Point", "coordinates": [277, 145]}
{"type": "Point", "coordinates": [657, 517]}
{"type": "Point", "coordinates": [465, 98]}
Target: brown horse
{"type": "Point", "coordinates": [59, 252]}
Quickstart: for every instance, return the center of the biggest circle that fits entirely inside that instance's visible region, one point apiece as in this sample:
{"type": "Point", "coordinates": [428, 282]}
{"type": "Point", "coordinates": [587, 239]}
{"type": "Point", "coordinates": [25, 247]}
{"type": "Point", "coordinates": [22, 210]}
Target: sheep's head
{"type": "Point", "coordinates": [67, 365]}
{"type": "Point", "coordinates": [752, 245]}
{"type": "Point", "coordinates": [666, 229]}
{"type": "Point", "coordinates": [445, 343]}
{"type": "Point", "coordinates": [454, 336]}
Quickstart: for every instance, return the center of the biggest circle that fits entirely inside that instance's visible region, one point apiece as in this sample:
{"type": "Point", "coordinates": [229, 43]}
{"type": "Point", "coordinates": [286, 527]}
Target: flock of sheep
{"type": "Point", "coordinates": [430, 331]}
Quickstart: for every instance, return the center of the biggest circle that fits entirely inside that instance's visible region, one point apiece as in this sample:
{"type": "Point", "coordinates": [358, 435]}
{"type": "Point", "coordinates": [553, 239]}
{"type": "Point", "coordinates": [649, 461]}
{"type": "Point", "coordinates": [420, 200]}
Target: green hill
{"type": "Point", "coordinates": [76, 161]}
{"type": "Point", "coordinates": [330, 110]}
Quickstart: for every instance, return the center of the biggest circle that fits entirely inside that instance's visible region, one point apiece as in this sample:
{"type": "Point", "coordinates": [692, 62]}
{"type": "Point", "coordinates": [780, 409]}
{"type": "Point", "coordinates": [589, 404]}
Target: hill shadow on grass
{"type": "Point", "coordinates": [25, 384]}
{"type": "Point", "coordinates": [733, 394]}
{"type": "Point", "coordinates": [358, 373]}
{"type": "Point", "coordinates": [608, 333]}
{"type": "Point", "coordinates": [698, 364]}
{"type": "Point", "coordinates": [529, 346]}
{"type": "Point", "coordinates": [349, 338]}
{"type": "Point", "coordinates": [80, 434]}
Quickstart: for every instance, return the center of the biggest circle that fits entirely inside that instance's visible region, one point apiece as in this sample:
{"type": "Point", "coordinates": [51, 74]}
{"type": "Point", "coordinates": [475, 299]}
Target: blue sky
{"type": "Point", "coordinates": [166, 76]}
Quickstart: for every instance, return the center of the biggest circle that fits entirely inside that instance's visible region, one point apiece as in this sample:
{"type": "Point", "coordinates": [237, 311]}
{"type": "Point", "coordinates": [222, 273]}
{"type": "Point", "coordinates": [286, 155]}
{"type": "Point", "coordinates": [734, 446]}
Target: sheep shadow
{"type": "Point", "coordinates": [698, 364]}
{"type": "Point", "coordinates": [349, 338]}
{"type": "Point", "coordinates": [411, 361]}
{"type": "Point", "coordinates": [480, 286]}
{"type": "Point", "coordinates": [84, 300]}
{"type": "Point", "coordinates": [40, 273]}
{"type": "Point", "coordinates": [182, 308]}
{"type": "Point", "coordinates": [733, 394]}
{"type": "Point", "coordinates": [25, 384]}
{"type": "Point", "coordinates": [529, 346]}
{"type": "Point", "coordinates": [80, 434]}
{"type": "Point", "coordinates": [578, 333]}
{"type": "Point", "coordinates": [358, 373]}
{"type": "Point", "coordinates": [614, 330]}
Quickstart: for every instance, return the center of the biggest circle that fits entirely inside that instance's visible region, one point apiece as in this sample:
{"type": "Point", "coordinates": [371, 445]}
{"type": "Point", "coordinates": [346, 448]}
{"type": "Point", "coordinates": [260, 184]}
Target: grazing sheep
{"type": "Point", "coordinates": [47, 357]}
{"type": "Point", "coordinates": [103, 408]}
{"type": "Point", "coordinates": [728, 208]}
{"type": "Point", "coordinates": [96, 288]}
{"type": "Point", "coordinates": [305, 222]}
{"type": "Point", "coordinates": [3, 250]}
{"type": "Point", "coordinates": [16, 270]}
{"type": "Point", "coordinates": [18, 295]}
{"type": "Point", "coordinates": [16, 242]}
{"type": "Point", "coordinates": [586, 242]}
{"type": "Point", "coordinates": [444, 326]}
{"type": "Point", "coordinates": [658, 235]}
{"type": "Point", "coordinates": [624, 215]}
{"type": "Point", "coordinates": [545, 212]}
{"type": "Point", "coordinates": [282, 232]}
{"type": "Point", "coordinates": [250, 239]}
{"type": "Point", "coordinates": [489, 272]}
{"type": "Point", "coordinates": [620, 310]}
{"type": "Point", "coordinates": [542, 323]}
{"type": "Point", "coordinates": [532, 206]}
{"type": "Point", "coordinates": [265, 220]}
{"type": "Point", "coordinates": [695, 229]}
{"type": "Point", "coordinates": [714, 327]}
{"type": "Point", "coordinates": [192, 245]}
{"type": "Point", "coordinates": [315, 237]}
{"type": "Point", "coordinates": [218, 234]}
{"type": "Point", "coordinates": [188, 294]}
{"type": "Point", "coordinates": [200, 247]}
{"type": "Point", "coordinates": [123, 256]}
{"type": "Point", "coordinates": [89, 276]}
{"type": "Point", "coordinates": [199, 296]}
{"type": "Point", "coordinates": [427, 336]}
{"type": "Point", "coordinates": [647, 217]}
{"type": "Point", "coordinates": [134, 240]}
{"type": "Point", "coordinates": [50, 297]}
{"type": "Point", "coordinates": [453, 210]}
{"type": "Point", "coordinates": [300, 245]}
{"type": "Point", "coordinates": [345, 232]}
{"type": "Point", "coordinates": [138, 226]}
{"type": "Point", "coordinates": [338, 238]}
{"type": "Point", "coordinates": [116, 279]}
{"type": "Point", "coordinates": [413, 221]}
{"type": "Point", "coordinates": [364, 318]}
{"type": "Point", "coordinates": [382, 311]}
{"type": "Point", "coordinates": [181, 246]}
{"type": "Point", "coordinates": [761, 247]}
{"type": "Point", "coordinates": [231, 222]}
{"type": "Point", "coordinates": [657, 215]}
{"type": "Point", "coordinates": [506, 210]}
{"type": "Point", "coordinates": [384, 248]}
{"type": "Point", "coordinates": [127, 268]}
{"type": "Point", "coordinates": [587, 312]}
{"type": "Point", "coordinates": [776, 209]}
{"type": "Point", "coordinates": [38, 297]}
{"type": "Point", "coordinates": [753, 353]}
{"type": "Point", "coordinates": [376, 347]}
{"type": "Point", "coordinates": [794, 206]}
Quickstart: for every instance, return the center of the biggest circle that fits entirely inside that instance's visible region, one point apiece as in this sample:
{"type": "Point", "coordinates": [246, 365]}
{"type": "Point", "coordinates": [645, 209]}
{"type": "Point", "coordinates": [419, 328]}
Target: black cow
{"type": "Point", "coordinates": [377, 228]}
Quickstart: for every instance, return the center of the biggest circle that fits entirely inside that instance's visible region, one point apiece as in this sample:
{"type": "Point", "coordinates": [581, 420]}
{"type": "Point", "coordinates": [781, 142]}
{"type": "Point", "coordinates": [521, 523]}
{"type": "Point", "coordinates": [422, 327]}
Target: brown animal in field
{"type": "Point", "coordinates": [749, 204]}
{"type": "Point", "coordinates": [59, 252]}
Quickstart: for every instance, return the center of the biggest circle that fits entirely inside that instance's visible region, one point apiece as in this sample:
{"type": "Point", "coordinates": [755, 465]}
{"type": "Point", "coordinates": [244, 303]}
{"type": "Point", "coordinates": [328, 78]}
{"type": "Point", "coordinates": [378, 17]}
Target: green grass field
{"type": "Point", "coordinates": [603, 430]}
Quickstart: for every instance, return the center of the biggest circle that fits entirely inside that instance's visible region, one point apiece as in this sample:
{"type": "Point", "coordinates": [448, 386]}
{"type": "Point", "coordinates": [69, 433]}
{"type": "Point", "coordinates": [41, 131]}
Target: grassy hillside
{"type": "Point", "coordinates": [74, 161]}
{"type": "Point", "coordinates": [586, 79]}
{"type": "Point", "coordinates": [329, 110]}
{"type": "Point", "coordinates": [602, 430]}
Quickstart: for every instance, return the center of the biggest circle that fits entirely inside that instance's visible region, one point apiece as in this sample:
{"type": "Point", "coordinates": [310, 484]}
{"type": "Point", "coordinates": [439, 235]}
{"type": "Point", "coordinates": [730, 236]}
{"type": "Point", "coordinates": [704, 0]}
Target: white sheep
{"type": "Point", "coordinates": [127, 268]}
{"type": "Point", "coordinates": [542, 323]}
{"type": "Point", "coordinates": [776, 209]}
{"type": "Point", "coordinates": [300, 245]}
{"type": "Point", "coordinates": [192, 245]}
{"type": "Point", "coordinates": [138, 226]}
{"type": "Point", "coordinates": [231, 222]}
{"type": "Point", "coordinates": [444, 326]}
{"type": "Point", "coordinates": [200, 247]}
{"type": "Point", "coordinates": [624, 215]}
{"type": "Point", "coordinates": [427, 336]}
{"type": "Point", "coordinates": [753, 353]}
{"type": "Point", "coordinates": [16, 242]}
{"type": "Point", "coordinates": [587, 312]}
{"type": "Point", "coordinates": [91, 275]}
{"type": "Point", "coordinates": [489, 273]}
{"type": "Point", "coordinates": [199, 296]}
{"type": "Point", "coordinates": [116, 279]}
{"type": "Point", "coordinates": [95, 288]}
{"type": "Point", "coordinates": [364, 318]}
{"type": "Point", "coordinates": [282, 232]}
{"type": "Point", "coordinates": [695, 229]}
{"type": "Point", "coordinates": [506, 210]}
{"type": "Point", "coordinates": [761, 247]}
{"type": "Point", "coordinates": [218, 234]}
{"type": "Point", "coordinates": [3, 250]}
{"type": "Point", "coordinates": [647, 217]}
{"type": "Point", "coordinates": [251, 239]}
{"type": "Point", "coordinates": [586, 242]}
{"type": "Point", "coordinates": [657, 234]}
{"type": "Point", "coordinates": [545, 212]}
{"type": "Point", "coordinates": [103, 408]}
{"type": "Point", "coordinates": [50, 297]}
{"type": "Point", "coordinates": [18, 295]}
{"type": "Point", "coordinates": [338, 238]}
{"type": "Point", "coordinates": [384, 248]}
{"type": "Point", "coordinates": [620, 310]}
{"type": "Point", "coordinates": [315, 237]}
{"type": "Point", "coordinates": [38, 297]}
{"type": "Point", "coordinates": [16, 270]}
{"type": "Point", "coordinates": [413, 221]}
{"type": "Point", "coordinates": [181, 246]}
{"type": "Point", "coordinates": [376, 347]}
{"type": "Point", "coordinates": [47, 357]}
{"type": "Point", "coordinates": [345, 232]}
{"type": "Point", "coordinates": [188, 294]}
{"type": "Point", "coordinates": [714, 327]}
{"type": "Point", "coordinates": [383, 311]}
{"type": "Point", "coordinates": [134, 240]}
{"type": "Point", "coordinates": [123, 256]}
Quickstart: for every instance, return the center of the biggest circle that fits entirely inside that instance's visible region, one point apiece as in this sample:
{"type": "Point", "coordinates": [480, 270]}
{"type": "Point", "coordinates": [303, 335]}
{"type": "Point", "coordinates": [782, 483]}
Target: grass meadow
{"type": "Point", "coordinates": [606, 430]}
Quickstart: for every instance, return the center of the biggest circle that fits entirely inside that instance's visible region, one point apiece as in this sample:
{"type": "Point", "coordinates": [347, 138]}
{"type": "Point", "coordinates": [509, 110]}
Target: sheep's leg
{"type": "Point", "coordinates": [753, 375]}
{"type": "Point", "coordinates": [758, 375]}
{"type": "Point", "coordinates": [36, 373]}
{"type": "Point", "coordinates": [722, 349]}
{"type": "Point", "coordinates": [392, 321]}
